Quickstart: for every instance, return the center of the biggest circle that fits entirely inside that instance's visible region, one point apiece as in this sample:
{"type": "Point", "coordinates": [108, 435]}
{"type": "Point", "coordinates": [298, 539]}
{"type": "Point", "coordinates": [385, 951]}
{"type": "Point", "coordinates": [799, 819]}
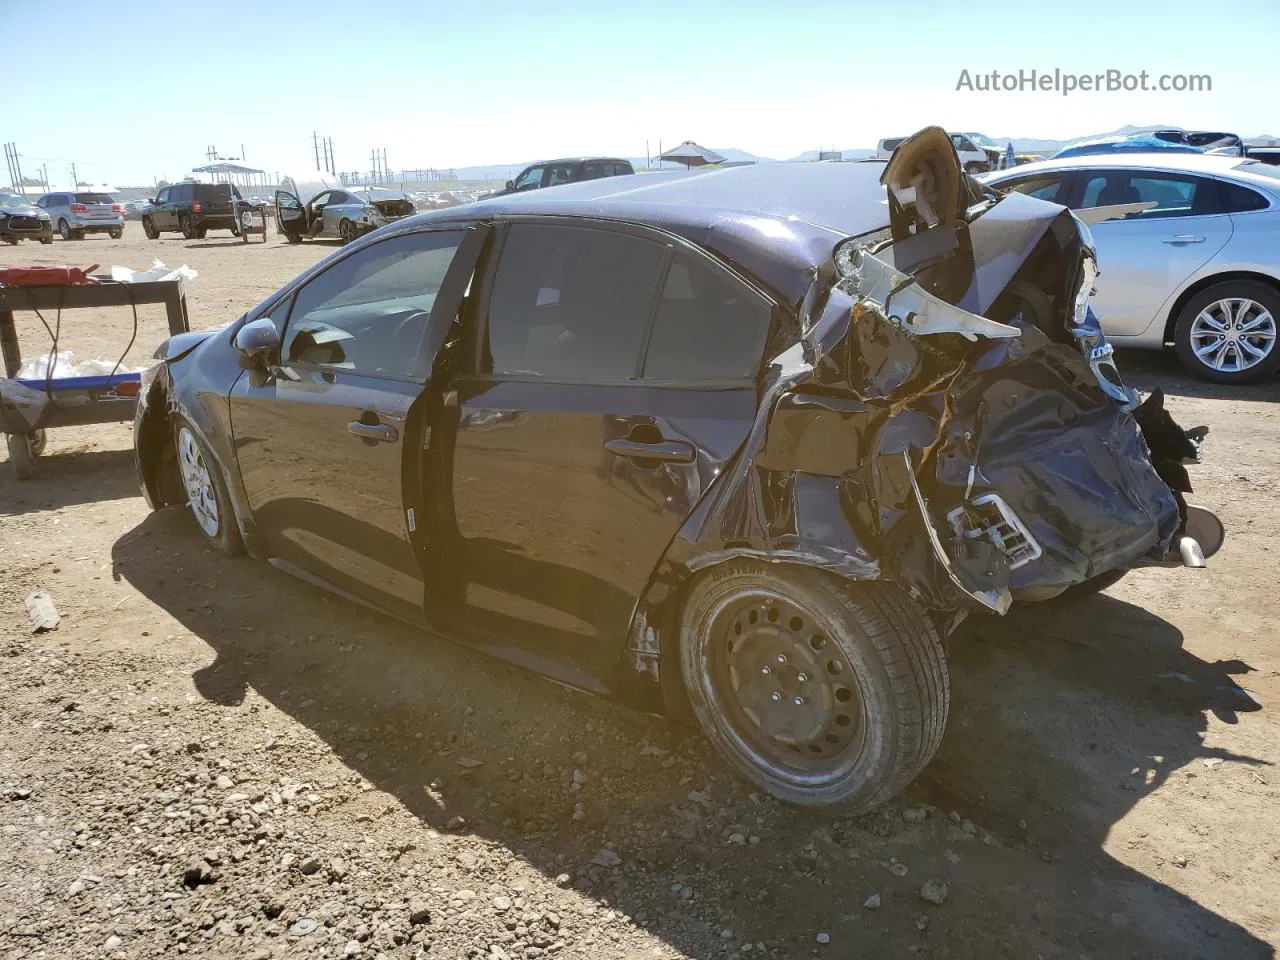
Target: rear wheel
{"type": "Point", "coordinates": [24, 448]}
{"type": "Point", "coordinates": [1227, 332]}
{"type": "Point", "coordinates": [206, 490]}
{"type": "Point", "coordinates": [115, 234]}
{"type": "Point", "coordinates": [64, 230]}
{"type": "Point", "coordinates": [346, 231]}
{"type": "Point", "coordinates": [149, 229]}
{"type": "Point", "coordinates": [187, 227]}
{"type": "Point", "coordinates": [46, 239]}
{"type": "Point", "coordinates": [818, 690]}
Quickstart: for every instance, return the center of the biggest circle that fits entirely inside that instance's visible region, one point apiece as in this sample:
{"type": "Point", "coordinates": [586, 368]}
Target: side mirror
{"type": "Point", "coordinates": [258, 343]}
{"type": "Point", "coordinates": [511, 184]}
{"type": "Point", "coordinates": [151, 200]}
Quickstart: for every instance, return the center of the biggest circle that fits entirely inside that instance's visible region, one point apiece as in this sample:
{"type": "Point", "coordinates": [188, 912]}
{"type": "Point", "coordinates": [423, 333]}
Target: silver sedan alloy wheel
{"type": "Point", "coordinates": [199, 484]}
{"type": "Point", "coordinates": [1233, 334]}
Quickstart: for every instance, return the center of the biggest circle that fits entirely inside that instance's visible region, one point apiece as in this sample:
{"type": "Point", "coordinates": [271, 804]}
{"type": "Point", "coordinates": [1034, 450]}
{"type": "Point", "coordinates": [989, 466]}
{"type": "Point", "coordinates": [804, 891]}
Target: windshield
{"type": "Point", "coordinates": [11, 200]}
{"type": "Point", "coordinates": [94, 198]}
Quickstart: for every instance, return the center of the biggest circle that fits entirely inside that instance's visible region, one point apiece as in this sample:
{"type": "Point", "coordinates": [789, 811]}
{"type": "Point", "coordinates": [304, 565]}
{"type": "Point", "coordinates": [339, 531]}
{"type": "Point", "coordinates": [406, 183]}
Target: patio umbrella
{"type": "Point", "coordinates": [691, 155]}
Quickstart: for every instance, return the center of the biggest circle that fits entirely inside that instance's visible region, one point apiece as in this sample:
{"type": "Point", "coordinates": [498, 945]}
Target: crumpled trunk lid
{"type": "Point", "coordinates": [394, 209]}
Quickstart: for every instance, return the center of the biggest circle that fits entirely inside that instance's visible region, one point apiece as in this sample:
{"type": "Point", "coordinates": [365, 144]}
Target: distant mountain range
{"type": "Point", "coordinates": [1044, 147]}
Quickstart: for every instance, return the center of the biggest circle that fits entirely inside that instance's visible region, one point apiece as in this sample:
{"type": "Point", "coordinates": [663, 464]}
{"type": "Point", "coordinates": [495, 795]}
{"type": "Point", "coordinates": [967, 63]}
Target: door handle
{"type": "Point", "coordinates": [381, 432]}
{"type": "Point", "coordinates": [1183, 238]}
{"type": "Point", "coordinates": [669, 451]}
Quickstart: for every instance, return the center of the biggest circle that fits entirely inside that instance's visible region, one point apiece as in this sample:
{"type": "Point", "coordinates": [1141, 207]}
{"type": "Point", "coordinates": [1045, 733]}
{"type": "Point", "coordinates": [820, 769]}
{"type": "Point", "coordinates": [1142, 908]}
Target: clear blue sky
{"type": "Point", "coordinates": [136, 89]}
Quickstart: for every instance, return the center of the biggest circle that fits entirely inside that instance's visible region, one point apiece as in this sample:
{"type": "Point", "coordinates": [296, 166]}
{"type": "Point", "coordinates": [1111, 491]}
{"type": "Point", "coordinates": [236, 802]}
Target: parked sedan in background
{"type": "Point", "coordinates": [21, 220]}
{"type": "Point", "coordinates": [703, 446]}
{"type": "Point", "coordinates": [75, 214]}
{"type": "Point", "coordinates": [1188, 252]}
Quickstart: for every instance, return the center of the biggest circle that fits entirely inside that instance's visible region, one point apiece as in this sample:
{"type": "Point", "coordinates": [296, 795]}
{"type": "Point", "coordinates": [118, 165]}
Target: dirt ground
{"type": "Point", "coordinates": [212, 759]}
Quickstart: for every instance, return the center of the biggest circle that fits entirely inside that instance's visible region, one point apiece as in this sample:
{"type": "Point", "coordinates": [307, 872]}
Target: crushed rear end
{"type": "Point", "coordinates": [954, 385]}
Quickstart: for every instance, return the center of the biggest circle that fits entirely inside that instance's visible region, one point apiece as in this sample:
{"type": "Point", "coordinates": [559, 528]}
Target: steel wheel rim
{"type": "Point", "coordinates": [198, 483]}
{"type": "Point", "coordinates": [800, 717]}
{"type": "Point", "coordinates": [1233, 334]}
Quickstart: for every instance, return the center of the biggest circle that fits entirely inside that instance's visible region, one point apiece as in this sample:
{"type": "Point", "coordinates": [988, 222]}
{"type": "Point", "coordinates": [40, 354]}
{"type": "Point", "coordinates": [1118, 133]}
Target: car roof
{"type": "Point", "coordinates": [777, 221]}
{"type": "Point", "coordinates": [543, 163]}
{"type": "Point", "coordinates": [1174, 162]}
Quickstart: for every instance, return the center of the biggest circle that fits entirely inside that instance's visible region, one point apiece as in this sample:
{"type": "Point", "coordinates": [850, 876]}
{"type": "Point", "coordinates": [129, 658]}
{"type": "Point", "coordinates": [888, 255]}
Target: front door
{"type": "Point", "coordinates": [576, 456]}
{"type": "Point", "coordinates": [322, 443]}
{"type": "Point", "coordinates": [291, 218]}
{"type": "Point", "coordinates": [1147, 254]}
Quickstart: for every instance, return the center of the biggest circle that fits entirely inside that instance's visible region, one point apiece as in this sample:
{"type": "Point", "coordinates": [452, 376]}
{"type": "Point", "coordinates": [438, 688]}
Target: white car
{"type": "Point", "coordinates": [1188, 252]}
{"type": "Point", "coordinates": [973, 158]}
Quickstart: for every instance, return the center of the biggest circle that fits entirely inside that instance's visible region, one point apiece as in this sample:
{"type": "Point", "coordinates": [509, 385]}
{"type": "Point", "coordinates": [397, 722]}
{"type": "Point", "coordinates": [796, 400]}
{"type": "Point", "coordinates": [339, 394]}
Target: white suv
{"type": "Point", "coordinates": [84, 211]}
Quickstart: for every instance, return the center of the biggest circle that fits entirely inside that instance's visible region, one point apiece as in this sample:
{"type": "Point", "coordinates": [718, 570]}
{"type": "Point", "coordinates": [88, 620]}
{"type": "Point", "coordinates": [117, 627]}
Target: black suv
{"type": "Point", "coordinates": [552, 173]}
{"type": "Point", "coordinates": [192, 209]}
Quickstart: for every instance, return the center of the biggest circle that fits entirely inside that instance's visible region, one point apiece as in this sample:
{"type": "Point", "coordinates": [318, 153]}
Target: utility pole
{"type": "Point", "coordinates": [75, 180]}
{"type": "Point", "coordinates": [44, 176]}
{"type": "Point", "coordinates": [315, 143]}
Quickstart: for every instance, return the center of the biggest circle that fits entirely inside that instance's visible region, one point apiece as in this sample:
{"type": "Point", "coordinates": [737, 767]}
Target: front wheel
{"type": "Point", "coordinates": [206, 490]}
{"type": "Point", "coordinates": [115, 234]}
{"type": "Point", "coordinates": [46, 239]}
{"type": "Point", "coordinates": [1226, 333]}
{"type": "Point", "coordinates": [24, 448]}
{"type": "Point", "coordinates": [818, 690]}
{"type": "Point", "coordinates": [149, 228]}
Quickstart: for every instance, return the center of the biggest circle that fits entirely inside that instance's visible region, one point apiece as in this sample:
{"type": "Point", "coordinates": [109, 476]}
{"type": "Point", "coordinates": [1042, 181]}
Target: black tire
{"type": "Point", "coordinates": [149, 229]}
{"type": "Point", "coordinates": [187, 227]}
{"type": "Point", "coordinates": [974, 166]}
{"type": "Point", "coordinates": [24, 448]}
{"type": "Point", "coordinates": [346, 232]}
{"type": "Point", "coordinates": [1264, 297]}
{"type": "Point", "coordinates": [202, 232]}
{"type": "Point", "coordinates": [871, 636]}
{"type": "Point", "coordinates": [115, 234]}
{"type": "Point", "coordinates": [293, 237]}
{"type": "Point", "coordinates": [78, 234]}
{"type": "Point", "coordinates": [46, 239]}
{"type": "Point", "coordinates": [64, 230]}
{"type": "Point", "coordinates": [224, 535]}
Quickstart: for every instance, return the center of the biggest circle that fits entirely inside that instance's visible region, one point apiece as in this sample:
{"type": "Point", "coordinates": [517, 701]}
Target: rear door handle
{"type": "Point", "coordinates": [1183, 238]}
{"type": "Point", "coordinates": [669, 451]}
{"type": "Point", "coordinates": [382, 432]}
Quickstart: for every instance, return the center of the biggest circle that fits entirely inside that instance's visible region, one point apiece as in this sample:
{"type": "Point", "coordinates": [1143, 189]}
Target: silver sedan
{"type": "Point", "coordinates": [348, 214]}
{"type": "Point", "coordinates": [1188, 252]}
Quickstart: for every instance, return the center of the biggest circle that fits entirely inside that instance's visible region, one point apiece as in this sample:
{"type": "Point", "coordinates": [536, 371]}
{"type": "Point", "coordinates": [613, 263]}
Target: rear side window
{"type": "Point", "coordinates": [1238, 199]}
{"type": "Point", "coordinates": [622, 169]}
{"type": "Point", "coordinates": [708, 326]}
{"type": "Point", "coordinates": [571, 303]}
{"type": "Point", "coordinates": [594, 171]}
{"type": "Point", "coordinates": [367, 313]}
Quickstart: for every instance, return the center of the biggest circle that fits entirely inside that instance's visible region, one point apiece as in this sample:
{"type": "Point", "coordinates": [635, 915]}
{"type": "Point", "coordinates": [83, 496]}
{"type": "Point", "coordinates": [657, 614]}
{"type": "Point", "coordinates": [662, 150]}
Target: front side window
{"type": "Point", "coordinates": [708, 326]}
{"type": "Point", "coordinates": [1045, 186]}
{"type": "Point", "coordinates": [530, 179]}
{"type": "Point", "coordinates": [163, 196]}
{"type": "Point", "coordinates": [560, 173]}
{"type": "Point", "coordinates": [962, 143]}
{"type": "Point", "coordinates": [368, 312]}
{"type": "Point", "coordinates": [1169, 195]}
{"type": "Point", "coordinates": [571, 302]}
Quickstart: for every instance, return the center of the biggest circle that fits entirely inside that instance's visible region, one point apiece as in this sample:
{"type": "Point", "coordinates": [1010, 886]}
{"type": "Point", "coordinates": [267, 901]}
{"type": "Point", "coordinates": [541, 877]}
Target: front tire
{"type": "Point", "coordinates": [818, 690]}
{"type": "Point", "coordinates": [1227, 332]}
{"type": "Point", "coordinates": [115, 234]}
{"type": "Point", "coordinates": [24, 448]}
{"type": "Point", "coordinates": [206, 490]}
{"type": "Point", "coordinates": [149, 228]}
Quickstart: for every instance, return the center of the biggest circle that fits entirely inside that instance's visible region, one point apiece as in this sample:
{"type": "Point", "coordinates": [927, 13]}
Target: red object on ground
{"type": "Point", "coordinates": [46, 276]}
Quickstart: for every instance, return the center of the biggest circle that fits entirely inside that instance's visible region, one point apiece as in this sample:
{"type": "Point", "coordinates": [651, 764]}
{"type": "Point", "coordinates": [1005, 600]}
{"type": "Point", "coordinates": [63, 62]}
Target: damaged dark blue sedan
{"type": "Point", "coordinates": [747, 444]}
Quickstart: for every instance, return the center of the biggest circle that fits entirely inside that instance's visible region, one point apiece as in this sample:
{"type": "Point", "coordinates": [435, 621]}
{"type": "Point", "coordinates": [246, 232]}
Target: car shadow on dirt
{"type": "Point", "coordinates": [1062, 721]}
{"type": "Point", "coordinates": [1148, 369]}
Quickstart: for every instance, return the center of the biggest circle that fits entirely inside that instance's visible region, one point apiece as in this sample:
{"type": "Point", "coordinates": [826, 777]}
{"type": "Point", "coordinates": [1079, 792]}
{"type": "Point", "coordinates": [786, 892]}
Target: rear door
{"type": "Point", "coordinates": [1145, 255]}
{"type": "Point", "coordinates": [321, 445]}
{"type": "Point", "coordinates": [615, 375]}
